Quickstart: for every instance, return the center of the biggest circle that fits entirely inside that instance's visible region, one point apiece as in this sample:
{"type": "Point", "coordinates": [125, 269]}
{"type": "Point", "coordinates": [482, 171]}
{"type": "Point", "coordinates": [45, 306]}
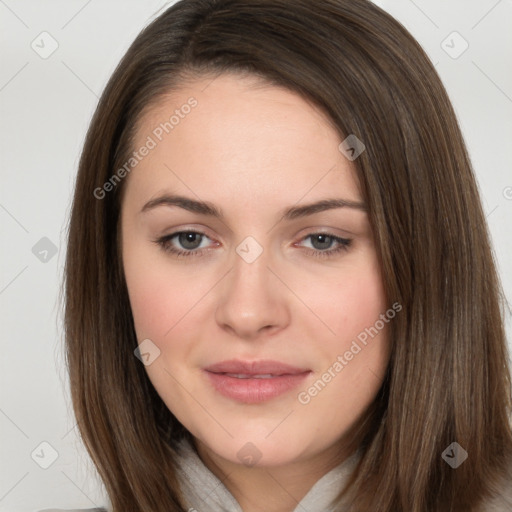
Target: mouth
{"type": "Point", "coordinates": [253, 382]}
{"type": "Point", "coordinates": [250, 376]}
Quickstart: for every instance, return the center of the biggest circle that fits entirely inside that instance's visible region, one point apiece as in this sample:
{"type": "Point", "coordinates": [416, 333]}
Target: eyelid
{"type": "Point", "coordinates": [189, 229]}
{"type": "Point", "coordinates": [343, 244]}
{"type": "Point", "coordinates": [310, 230]}
{"type": "Point", "coordinates": [335, 232]}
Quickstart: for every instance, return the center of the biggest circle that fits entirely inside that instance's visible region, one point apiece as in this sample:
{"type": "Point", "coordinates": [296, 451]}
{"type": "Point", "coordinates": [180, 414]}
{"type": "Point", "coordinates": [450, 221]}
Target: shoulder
{"type": "Point", "coordinates": [502, 503]}
{"type": "Point", "coordinates": [500, 499]}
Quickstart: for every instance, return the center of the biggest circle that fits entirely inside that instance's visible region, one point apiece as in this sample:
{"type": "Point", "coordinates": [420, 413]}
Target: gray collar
{"type": "Point", "coordinates": [203, 491]}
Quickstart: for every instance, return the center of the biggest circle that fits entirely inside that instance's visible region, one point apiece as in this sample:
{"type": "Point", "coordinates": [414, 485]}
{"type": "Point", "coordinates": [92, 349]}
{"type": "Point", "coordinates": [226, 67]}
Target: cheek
{"type": "Point", "coordinates": [152, 309]}
{"type": "Point", "coordinates": [360, 302]}
{"type": "Point", "coordinates": [355, 310]}
{"type": "Point", "coordinates": [160, 306]}
{"type": "Point", "coordinates": [354, 360]}
{"type": "Point", "coordinates": [352, 302]}
{"type": "Point", "coordinates": [158, 295]}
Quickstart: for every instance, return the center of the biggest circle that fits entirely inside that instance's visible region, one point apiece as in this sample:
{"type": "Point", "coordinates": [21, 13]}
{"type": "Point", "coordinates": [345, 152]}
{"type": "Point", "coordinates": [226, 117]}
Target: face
{"type": "Point", "coordinates": [265, 321]}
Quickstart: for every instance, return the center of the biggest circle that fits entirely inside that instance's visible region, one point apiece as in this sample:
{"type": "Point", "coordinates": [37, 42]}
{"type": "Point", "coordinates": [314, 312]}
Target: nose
{"type": "Point", "coordinates": [252, 300]}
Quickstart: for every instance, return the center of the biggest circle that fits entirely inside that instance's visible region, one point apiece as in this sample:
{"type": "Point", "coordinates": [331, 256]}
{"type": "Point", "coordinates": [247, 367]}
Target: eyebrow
{"type": "Point", "coordinates": [291, 213]}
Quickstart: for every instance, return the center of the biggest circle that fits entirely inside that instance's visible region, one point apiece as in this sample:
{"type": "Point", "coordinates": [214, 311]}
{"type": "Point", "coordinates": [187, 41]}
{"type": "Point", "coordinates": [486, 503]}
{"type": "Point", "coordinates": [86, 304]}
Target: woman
{"type": "Point", "coordinates": [280, 291]}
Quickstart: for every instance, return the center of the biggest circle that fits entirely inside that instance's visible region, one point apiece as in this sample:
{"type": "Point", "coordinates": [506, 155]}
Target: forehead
{"type": "Point", "coordinates": [235, 137]}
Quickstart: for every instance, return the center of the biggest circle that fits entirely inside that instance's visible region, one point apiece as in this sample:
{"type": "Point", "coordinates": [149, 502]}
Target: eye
{"type": "Point", "coordinates": [191, 241]}
{"type": "Point", "coordinates": [322, 241]}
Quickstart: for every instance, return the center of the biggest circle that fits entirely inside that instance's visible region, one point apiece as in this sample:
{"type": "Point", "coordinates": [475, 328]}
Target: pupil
{"type": "Point", "coordinates": [324, 241]}
{"type": "Point", "coordinates": [187, 240]}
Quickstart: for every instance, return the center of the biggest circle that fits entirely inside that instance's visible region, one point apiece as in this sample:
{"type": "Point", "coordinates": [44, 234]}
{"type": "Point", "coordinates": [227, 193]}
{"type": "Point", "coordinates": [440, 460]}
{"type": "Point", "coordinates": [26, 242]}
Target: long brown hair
{"type": "Point", "coordinates": [447, 380]}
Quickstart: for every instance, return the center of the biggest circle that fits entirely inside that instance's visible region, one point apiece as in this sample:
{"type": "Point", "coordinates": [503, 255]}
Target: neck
{"type": "Point", "coordinates": [270, 489]}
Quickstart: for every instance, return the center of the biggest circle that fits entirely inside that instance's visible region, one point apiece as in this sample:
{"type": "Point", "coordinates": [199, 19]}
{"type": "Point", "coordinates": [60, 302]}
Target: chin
{"type": "Point", "coordinates": [256, 451]}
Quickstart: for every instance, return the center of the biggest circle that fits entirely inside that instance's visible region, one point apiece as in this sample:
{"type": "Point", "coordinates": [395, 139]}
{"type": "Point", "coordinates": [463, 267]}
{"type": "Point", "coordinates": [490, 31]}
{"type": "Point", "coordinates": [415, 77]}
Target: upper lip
{"type": "Point", "coordinates": [264, 367]}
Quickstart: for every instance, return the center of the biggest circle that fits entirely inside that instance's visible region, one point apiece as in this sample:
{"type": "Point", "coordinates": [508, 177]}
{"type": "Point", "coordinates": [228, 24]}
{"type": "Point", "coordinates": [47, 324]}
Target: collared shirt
{"type": "Point", "coordinates": [204, 492]}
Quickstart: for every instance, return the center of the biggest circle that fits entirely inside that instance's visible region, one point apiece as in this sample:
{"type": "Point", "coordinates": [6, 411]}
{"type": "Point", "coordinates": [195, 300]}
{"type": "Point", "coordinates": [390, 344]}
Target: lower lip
{"type": "Point", "coordinates": [252, 391]}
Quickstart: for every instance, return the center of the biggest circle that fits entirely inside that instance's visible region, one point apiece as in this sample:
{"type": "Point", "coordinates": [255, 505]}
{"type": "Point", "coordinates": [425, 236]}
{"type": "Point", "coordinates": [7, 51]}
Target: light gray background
{"type": "Point", "coordinates": [45, 107]}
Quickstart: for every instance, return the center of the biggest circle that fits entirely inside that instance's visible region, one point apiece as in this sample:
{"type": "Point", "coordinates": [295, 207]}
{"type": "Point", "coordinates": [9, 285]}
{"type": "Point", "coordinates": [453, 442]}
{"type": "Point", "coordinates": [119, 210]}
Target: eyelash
{"type": "Point", "coordinates": [164, 243]}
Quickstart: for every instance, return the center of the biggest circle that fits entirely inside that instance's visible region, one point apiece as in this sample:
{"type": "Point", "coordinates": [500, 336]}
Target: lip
{"type": "Point", "coordinates": [275, 378]}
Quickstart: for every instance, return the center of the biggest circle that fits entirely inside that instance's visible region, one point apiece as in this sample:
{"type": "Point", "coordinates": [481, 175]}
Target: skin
{"type": "Point", "coordinates": [254, 149]}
